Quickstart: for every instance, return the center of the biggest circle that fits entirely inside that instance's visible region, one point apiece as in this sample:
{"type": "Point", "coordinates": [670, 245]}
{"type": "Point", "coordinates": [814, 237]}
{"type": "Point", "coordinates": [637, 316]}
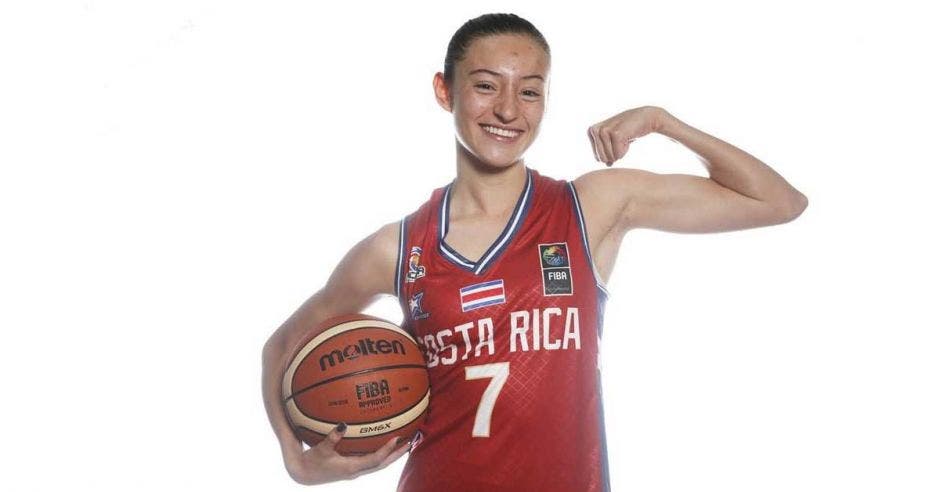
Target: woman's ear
{"type": "Point", "coordinates": [442, 93]}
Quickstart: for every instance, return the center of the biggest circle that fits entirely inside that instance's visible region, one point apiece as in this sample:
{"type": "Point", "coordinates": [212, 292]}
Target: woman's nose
{"type": "Point", "coordinates": [506, 108]}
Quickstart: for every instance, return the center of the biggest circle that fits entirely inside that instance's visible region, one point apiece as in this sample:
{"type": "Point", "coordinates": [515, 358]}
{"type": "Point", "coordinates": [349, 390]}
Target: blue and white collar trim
{"type": "Point", "coordinates": [498, 246]}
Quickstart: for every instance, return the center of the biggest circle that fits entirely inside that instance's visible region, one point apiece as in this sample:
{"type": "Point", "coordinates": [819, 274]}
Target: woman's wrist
{"type": "Point", "coordinates": [662, 119]}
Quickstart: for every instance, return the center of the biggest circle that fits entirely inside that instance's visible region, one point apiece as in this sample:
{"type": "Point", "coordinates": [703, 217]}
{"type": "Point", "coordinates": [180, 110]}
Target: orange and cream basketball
{"type": "Point", "coordinates": [361, 370]}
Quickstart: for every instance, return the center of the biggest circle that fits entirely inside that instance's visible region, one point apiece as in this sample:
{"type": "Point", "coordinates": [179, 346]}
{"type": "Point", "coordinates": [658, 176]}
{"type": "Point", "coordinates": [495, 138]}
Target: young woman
{"type": "Point", "coordinates": [500, 276]}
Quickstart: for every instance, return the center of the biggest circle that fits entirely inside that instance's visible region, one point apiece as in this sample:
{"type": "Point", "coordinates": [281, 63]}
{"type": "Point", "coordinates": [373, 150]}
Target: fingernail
{"type": "Point", "coordinates": [341, 427]}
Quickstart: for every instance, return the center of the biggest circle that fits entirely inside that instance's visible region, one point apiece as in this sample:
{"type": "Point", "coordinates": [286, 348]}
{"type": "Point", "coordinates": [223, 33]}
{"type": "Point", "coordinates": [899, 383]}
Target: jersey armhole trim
{"type": "Point", "coordinates": [401, 257]}
{"type": "Point", "coordinates": [584, 238]}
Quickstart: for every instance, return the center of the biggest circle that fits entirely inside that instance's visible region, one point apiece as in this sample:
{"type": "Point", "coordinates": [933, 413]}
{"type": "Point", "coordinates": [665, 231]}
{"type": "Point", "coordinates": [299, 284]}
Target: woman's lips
{"type": "Point", "coordinates": [504, 136]}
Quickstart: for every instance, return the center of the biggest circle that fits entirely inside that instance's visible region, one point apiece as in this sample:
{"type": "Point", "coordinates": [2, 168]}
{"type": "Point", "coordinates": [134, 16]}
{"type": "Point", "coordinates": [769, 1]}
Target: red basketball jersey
{"type": "Point", "coordinates": [511, 342]}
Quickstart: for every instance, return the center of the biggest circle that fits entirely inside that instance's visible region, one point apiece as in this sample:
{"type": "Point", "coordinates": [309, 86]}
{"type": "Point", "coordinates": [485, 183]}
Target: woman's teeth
{"type": "Point", "coordinates": [501, 132]}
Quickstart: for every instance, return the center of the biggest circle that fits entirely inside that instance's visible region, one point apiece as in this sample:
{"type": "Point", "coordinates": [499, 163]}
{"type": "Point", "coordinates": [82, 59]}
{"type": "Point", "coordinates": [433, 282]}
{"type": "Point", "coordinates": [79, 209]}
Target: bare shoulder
{"type": "Point", "coordinates": [605, 195]}
{"type": "Point", "coordinates": [384, 242]}
{"type": "Point", "coordinates": [604, 198]}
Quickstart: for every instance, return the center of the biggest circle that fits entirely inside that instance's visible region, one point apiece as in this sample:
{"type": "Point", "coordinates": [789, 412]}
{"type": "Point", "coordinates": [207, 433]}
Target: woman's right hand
{"type": "Point", "coordinates": [365, 273]}
{"type": "Point", "coordinates": [322, 463]}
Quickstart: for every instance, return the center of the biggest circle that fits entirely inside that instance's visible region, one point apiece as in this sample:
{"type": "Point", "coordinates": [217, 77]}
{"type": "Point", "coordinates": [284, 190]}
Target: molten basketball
{"type": "Point", "coordinates": [361, 370]}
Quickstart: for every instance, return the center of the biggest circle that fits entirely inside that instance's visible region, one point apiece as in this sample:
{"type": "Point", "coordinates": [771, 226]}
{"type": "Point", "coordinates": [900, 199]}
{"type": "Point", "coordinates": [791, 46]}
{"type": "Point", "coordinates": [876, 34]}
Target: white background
{"type": "Point", "coordinates": [178, 176]}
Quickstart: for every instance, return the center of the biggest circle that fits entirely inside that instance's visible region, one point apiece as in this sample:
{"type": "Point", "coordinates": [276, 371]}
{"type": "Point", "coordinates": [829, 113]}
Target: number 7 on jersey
{"type": "Point", "coordinates": [499, 372]}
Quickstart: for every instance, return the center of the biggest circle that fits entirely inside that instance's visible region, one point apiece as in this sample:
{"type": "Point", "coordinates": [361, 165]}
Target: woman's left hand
{"type": "Point", "coordinates": [612, 137]}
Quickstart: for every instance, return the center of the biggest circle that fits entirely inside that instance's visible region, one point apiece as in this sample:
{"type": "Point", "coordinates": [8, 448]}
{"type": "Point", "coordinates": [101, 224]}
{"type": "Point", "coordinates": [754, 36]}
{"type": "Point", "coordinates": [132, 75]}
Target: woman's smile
{"type": "Point", "coordinates": [496, 95]}
{"type": "Point", "coordinates": [501, 134]}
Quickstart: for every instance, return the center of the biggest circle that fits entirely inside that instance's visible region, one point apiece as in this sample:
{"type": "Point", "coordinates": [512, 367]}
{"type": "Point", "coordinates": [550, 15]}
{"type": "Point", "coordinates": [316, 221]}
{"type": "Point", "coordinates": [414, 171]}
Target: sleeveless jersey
{"type": "Point", "coordinates": [512, 344]}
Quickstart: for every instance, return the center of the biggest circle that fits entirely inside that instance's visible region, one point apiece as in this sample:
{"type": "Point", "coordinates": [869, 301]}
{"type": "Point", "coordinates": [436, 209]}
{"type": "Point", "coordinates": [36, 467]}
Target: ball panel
{"type": "Point", "coordinates": [335, 325]}
{"type": "Point", "coordinates": [354, 350]}
{"type": "Point", "coordinates": [359, 398]}
{"type": "Point", "coordinates": [339, 325]}
{"type": "Point", "coordinates": [380, 426]}
{"type": "Point", "coordinates": [363, 445]}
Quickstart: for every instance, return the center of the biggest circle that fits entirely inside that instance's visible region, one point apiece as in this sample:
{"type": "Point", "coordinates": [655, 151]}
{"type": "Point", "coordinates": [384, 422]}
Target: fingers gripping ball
{"type": "Point", "coordinates": [361, 370]}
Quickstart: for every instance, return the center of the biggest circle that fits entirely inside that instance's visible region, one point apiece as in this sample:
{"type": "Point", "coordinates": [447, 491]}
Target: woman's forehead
{"type": "Point", "coordinates": [510, 55]}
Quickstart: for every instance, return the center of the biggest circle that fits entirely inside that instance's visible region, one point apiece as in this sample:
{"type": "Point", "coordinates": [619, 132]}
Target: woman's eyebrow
{"type": "Point", "coordinates": [497, 74]}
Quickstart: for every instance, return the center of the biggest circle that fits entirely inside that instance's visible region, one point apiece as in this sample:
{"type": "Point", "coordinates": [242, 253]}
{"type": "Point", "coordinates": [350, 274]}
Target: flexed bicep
{"type": "Point", "coordinates": [692, 204]}
{"type": "Point", "coordinates": [621, 199]}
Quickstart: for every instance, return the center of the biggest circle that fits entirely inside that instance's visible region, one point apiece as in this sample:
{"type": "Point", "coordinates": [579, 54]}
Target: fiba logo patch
{"type": "Point", "coordinates": [415, 270]}
{"type": "Point", "coordinates": [556, 270]}
{"type": "Point", "coordinates": [554, 255]}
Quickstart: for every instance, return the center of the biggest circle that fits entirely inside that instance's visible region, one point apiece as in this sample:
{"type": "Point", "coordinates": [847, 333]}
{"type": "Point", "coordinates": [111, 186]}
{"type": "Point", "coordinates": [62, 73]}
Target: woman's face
{"type": "Point", "coordinates": [498, 97]}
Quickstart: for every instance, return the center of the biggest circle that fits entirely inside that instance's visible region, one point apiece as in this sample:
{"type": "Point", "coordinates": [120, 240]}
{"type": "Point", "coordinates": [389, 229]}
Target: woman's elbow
{"type": "Point", "coordinates": [797, 205]}
{"type": "Point", "coordinates": [273, 348]}
{"type": "Point", "coordinates": [790, 209]}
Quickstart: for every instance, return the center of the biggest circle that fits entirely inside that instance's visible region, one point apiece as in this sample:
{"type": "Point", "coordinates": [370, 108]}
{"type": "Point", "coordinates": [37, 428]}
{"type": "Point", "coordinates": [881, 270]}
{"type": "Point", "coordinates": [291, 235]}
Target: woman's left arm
{"type": "Point", "coordinates": [741, 191]}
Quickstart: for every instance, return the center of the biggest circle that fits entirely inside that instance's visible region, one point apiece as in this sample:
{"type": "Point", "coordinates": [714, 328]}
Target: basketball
{"type": "Point", "coordinates": [361, 370]}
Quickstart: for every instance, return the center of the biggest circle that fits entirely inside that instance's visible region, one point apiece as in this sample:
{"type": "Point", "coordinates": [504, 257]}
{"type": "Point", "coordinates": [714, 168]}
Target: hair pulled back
{"type": "Point", "coordinates": [482, 26]}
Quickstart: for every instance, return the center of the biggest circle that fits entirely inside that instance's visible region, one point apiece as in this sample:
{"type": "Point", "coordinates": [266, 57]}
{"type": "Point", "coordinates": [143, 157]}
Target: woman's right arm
{"type": "Point", "coordinates": [365, 273]}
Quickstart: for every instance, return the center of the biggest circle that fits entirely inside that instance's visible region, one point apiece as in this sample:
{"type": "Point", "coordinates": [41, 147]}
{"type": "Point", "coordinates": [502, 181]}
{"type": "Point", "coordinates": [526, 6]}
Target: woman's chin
{"type": "Point", "coordinates": [497, 164]}
{"type": "Point", "coordinates": [498, 160]}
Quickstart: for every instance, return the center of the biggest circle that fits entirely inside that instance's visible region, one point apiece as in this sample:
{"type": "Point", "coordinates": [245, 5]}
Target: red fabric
{"type": "Point", "coordinates": [546, 428]}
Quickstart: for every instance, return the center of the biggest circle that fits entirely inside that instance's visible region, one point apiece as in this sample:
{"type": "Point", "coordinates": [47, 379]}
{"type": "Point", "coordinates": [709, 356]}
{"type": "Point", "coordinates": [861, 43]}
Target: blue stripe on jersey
{"type": "Point", "coordinates": [605, 467]}
{"type": "Point", "coordinates": [450, 254]}
{"type": "Point", "coordinates": [584, 238]}
{"type": "Point", "coordinates": [456, 257]}
{"type": "Point", "coordinates": [401, 257]}
{"type": "Point", "coordinates": [471, 307]}
{"type": "Point", "coordinates": [522, 207]}
{"type": "Point", "coordinates": [484, 284]}
{"type": "Point", "coordinates": [502, 242]}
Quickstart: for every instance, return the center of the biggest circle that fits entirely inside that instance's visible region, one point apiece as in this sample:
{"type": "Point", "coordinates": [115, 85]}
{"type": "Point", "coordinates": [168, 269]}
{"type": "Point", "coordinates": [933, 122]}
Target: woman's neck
{"type": "Point", "coordinates": [484, 190]}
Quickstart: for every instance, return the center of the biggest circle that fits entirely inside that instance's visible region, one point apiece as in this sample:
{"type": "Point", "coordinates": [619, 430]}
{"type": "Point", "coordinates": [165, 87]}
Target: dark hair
{"type": "Point", "coordinates": [482, 26]}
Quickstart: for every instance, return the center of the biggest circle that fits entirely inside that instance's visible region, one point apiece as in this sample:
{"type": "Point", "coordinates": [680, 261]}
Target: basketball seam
{"type": "Point", "coordinates": [322, 342]}
{"type": "Point", "coordinates": [367, 421]}
{"type": "Point", "coordinates": [354, 373]}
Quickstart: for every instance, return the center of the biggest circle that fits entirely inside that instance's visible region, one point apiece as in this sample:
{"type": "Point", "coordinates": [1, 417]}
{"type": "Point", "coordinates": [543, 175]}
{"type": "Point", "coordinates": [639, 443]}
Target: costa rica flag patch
{"type": "Point", "coordinates": [481, 295]}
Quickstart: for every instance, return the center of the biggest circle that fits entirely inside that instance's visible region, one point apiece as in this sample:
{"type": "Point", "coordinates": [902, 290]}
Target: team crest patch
{"type": "Point", "coordinates": [415, 270]}
{"type": "Point", "coordinates": [481, 295]}
{"type": "Point", "coordinates": [417, 312]}
{"type": "Point", "coordinates": [556, 269]}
